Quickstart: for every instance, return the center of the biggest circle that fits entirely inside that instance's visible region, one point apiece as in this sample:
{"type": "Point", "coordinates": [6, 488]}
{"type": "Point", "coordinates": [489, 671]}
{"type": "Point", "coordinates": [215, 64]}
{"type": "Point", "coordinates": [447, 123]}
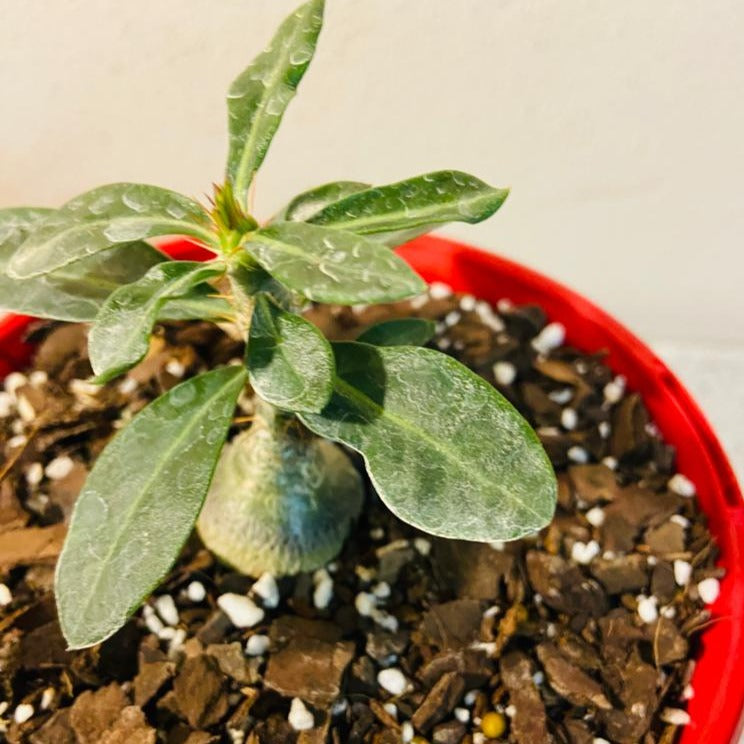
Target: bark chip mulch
{"type": "Point", "coordinates": [583, 634]}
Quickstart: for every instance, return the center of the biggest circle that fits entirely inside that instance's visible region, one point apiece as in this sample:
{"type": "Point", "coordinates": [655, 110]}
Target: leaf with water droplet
{"type": "Point", "coordinates": [445, 451]}
{"type": "Point", "coordinates": [103, 218]}
{"type": "Point", "coordinates": [75, 292]}
{"type": "Point", "coordinates": [335, 266]}
{"type": "Point", "coordinates": [399, 211]}
{"type": "Point", "coordinates": [259, 96]}
{"type": "Point", "coordinates": [290, 362]}
{"type": "Point", "coordinates": [139, 504]}
{"type": "Point", "coordinates": [310, 202]}
{"type": "Point", "coordinates": [399, 332]}
{"type": "Point", "coordinates": [120, 335]}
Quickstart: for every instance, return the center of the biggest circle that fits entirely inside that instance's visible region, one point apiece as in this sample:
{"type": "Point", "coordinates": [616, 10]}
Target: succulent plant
{"type": "Point", "coordinates": [443, 449]}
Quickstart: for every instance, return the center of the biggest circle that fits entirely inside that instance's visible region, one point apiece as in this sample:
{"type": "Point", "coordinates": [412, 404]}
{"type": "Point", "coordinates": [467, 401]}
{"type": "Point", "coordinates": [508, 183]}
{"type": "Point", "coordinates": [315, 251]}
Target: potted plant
{"type": "Point", "coordinates": [461, 636]}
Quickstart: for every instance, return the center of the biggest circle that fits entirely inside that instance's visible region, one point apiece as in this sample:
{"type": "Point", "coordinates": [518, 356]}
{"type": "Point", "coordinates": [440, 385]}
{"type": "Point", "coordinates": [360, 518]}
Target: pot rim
{"type": "Point", "coordinates": [716, 716]}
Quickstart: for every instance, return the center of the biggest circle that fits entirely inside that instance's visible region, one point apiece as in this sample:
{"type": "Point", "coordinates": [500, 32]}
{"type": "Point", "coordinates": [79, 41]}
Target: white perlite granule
{"type": "Point", "coordinates": [422, 545]}
{"type": "Point", "coordinates": [578, 454]}
{"type": "Point", "coordinates": [6, 596]}
{"type": "Point", "coordinates": [7, 404]}
{"type": "Point", "coordinates": [392, 680]}
{"type": "Point", "coordinates": [675, 716]}
{"type": "Point", "coordinates": [681, 485]}
{"type": "Point", "coordinates": [549, 338]}
{"type": "Point", "coordinates": [196, 592]}
{"type": "Point", "coordinates": [166, 608]}
{"type": "Point", "coordinates": [38, 377]}
{"type": "Point", "coordinates": [175, 368]}
{"type": "Point", "coordinates": [59, 467]}
{"type": "Point", "coordinates": [34, 474]}
{"type": "Point", "coordinates": [596, 516]}
{"type": "Point", "coordinates": [300, 718]}
{"type": "Point", "coordinates": [709, 589]}
{"type": "Point", "coordinates": [569, 419]}
{"type": "Point", "coordinates": [439, 291]}
{"type": "Point", "coordinates": [648, 609]}
{"type": "Point", "coordinates": [23, 712]}
{"type": "Point", "coordinates": [47, 698]}
{"type": "Point", "coordinates": [614, 390]}
{"type": "Point", "coordinates": [585, 553]}
{"type": "Point", "coordinates": [257, 645]}
{"type": "Point", "coordinates": [323, 592]}
{"type": "Point", "coordinates": [391, 710]}
{"type": "Point", "coordinates": [242, 611]}
{"type": "Point", "coordinates": [14, 381]}
{"type": "Point", "coordinates": [682, 572]}
{"type": "Point", "coordinates": [365, 603]}
{"type": "Point", "coordinates": [152, 621]}
{"type": "Point", "coordinates": [505, 373]}
{"type": "Point", "coordinates": [267, 589]}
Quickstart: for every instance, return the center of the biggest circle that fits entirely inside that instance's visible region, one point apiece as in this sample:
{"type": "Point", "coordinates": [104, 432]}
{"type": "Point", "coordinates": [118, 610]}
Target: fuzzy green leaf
{"type": "Point", "coordinates": [414, 206]}
{"type": "Point", "coordinates": [259, 96]}
{"type": "Point", "coordinates": [139, 504]}
{"type": "Point", "coordinates": [290, 362]}
{"type": "Point", "coordinates": [445, 451]}
{"type": "Point", "coordinates": [335, 266]}
{"type": "Point", "coordinates": [103, 218]}
{"type": "Point", "coordinates": [120, 336]}
{"type": "Point", "coordinates": [309, 203]}
{"type": "Point", "coordinates": [399, 332]}
{"type": "Point", "coordinates": [75, 292]}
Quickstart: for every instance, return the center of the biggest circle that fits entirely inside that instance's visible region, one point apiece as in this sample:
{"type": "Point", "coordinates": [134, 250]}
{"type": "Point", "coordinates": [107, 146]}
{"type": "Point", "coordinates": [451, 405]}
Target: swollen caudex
{"type": "Point", "coordinates": [281, 500]}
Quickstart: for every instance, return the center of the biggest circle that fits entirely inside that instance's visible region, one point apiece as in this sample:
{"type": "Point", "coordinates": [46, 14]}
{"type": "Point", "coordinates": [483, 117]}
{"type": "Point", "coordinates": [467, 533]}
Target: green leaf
{"type": "Point", "coordinates": [75, 292]}
{"type": "Point", "coordinates": [103, 218]}
{"type": "Point", "coordinates": [399, 332]}
{"type": "Point", "coordinates": [259, 96]}
{"type": "Point", "coordinates": [444, 450]}
{"type": "Point", "coordinates": [334, 266]}
{"type": "Point", "coordinates": [309, 203]}
{"type": "Point", "coordinates": [414, 206]}
{"type": "Point", "coordinates": [139, 504]}
{"type": "Point", "coordinates": [198, 304]}
{"type": "Point", "coordinates": [15, 225]}
{"type": "Point", "coordinates": [120, 336]}
{"type": "Point", "coordinates": [290, 362]}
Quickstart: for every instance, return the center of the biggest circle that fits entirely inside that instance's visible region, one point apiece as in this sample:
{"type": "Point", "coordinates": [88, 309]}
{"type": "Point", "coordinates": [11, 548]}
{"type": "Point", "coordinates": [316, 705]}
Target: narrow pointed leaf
{"type": "Point", "coordinates": [75, 292]}
{"type": "Point", "coordinates": [290, 362]}
{"type": "Point", "coordinates": [444, 450]}
{"type": "Point", "coordinates": [259, 96]}
{"type": "Point", "coordinates": [120, 336]}
{"type": "Point", "coordinates": [103, 218]}
{"type": "Point", "coordinates": [400, 332]}
{"type": "Point", "coordinates": [334, 266]}
{"type": "Point", "coordinates": [414, 206]}
{"type": "Point", "coordinates": [309, 203]}
{"type": "Point", "coordinates": [139, 504]}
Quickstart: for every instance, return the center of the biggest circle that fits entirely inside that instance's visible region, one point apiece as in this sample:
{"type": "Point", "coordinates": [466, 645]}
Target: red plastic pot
{"type": "Point", "coordinates": [718, 682]}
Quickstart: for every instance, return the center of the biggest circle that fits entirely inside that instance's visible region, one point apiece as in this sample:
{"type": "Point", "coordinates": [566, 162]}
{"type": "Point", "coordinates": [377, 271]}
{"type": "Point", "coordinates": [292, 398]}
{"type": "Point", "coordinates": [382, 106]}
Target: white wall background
{"type": "Point", "coordinates": [618, 125]}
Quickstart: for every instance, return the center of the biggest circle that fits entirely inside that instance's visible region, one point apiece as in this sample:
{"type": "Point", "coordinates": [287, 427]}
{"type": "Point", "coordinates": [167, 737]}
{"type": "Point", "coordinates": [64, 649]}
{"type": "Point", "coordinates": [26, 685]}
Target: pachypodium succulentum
{"type": "Point", "coordinates": [443, 449]}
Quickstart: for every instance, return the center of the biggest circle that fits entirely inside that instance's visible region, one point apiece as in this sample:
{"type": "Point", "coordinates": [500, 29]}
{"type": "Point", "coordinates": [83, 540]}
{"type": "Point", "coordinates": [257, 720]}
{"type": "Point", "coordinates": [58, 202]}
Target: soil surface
{"type": "Point", "coordinates": [583, 634]}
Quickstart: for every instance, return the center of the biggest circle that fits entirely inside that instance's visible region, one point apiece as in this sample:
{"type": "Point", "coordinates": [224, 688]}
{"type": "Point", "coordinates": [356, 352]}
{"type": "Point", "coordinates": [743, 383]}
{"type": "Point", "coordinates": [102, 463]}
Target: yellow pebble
{"type": "Point", "coordinates": [419, 740]}
{"type": "Point", "coordinates": [493, 725]}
